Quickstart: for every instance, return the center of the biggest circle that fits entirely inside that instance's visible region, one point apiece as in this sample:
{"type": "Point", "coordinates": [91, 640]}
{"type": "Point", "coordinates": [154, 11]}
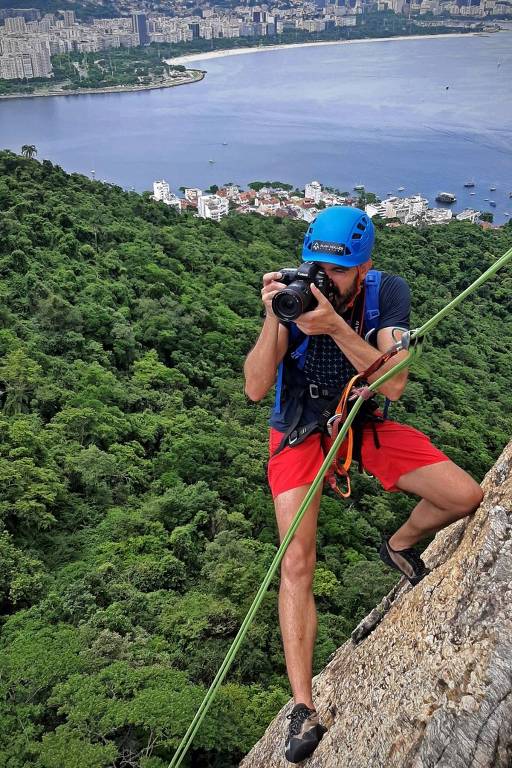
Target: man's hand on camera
{"type": "Point", "coordinates": [321, 320]}
{"type": "Point", "coordinates": [271, 286]}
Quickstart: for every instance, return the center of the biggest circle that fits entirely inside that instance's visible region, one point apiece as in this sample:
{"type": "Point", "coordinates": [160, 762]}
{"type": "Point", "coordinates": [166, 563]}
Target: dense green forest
{"type": "Point", "coordinates": [136, 524]}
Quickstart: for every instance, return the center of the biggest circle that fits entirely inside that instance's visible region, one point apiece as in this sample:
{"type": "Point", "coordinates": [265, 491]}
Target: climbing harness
{"type": "Point", "coordinates": [340, 467]}
{"type": "Point", "coordinates": [411, 341]}
{"type": "Point", "coordinates": [319, 401]}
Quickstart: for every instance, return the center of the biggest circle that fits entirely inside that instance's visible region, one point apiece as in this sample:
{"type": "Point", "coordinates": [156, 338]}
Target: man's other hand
{"type": "Point", "coordinates": [271, 286]}
{"type": "Point", "coordinates": [321, 320]}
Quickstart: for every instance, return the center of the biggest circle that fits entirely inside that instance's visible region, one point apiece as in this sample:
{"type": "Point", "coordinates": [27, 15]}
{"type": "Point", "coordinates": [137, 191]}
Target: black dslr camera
{"type": "Point", "coordinates": [297, 298]}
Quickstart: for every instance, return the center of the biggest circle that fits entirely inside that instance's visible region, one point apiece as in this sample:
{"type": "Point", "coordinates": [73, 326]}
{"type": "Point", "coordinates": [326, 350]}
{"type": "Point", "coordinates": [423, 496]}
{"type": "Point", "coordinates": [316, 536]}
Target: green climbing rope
{"type": "Point", "coordinates": [414, 345]}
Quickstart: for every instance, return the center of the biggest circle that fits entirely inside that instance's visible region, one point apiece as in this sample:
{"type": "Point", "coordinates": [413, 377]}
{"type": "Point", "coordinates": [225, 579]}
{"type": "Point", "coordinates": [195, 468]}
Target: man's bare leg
{"type": "Point", "coordinates": [449, 494]}
{"type": "Point", "coordinates": [297, 611]}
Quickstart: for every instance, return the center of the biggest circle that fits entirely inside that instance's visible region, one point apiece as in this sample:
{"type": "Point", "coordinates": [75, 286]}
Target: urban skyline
{"type": "Point", "coordinates": [28, 39]}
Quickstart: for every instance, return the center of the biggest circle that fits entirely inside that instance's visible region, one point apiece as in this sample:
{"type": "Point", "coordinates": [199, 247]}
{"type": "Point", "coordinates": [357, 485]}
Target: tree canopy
{"type": "Point", "coordinates": [135, 522]}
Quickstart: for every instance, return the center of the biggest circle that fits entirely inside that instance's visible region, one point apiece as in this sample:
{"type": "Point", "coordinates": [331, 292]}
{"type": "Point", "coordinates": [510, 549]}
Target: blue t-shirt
{"type": "Point", "coordinates": [326, 364]}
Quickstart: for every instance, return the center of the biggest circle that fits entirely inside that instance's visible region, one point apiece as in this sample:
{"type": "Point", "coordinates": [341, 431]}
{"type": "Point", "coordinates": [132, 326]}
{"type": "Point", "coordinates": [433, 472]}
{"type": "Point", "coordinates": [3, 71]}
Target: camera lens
{"type": "Point", "coordinates": [287, 305]}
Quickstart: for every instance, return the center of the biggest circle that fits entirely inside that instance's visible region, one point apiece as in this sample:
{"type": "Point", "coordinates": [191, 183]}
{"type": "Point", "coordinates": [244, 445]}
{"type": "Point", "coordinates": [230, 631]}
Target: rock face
{"type": "Point", "coordinates": [429, 682]}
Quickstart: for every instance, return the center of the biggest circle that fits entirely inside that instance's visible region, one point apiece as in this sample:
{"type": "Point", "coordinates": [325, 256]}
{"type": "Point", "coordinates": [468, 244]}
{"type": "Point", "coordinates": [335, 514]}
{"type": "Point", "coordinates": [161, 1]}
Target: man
{"type": "Point", "coordinates": [403, 459]}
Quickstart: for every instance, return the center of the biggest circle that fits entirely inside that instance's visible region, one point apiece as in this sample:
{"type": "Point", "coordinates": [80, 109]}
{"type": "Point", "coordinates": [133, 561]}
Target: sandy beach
{"type": "Point", "coordinates": [261, 48]}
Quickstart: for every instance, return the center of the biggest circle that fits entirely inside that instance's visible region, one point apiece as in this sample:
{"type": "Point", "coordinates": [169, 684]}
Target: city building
{"type": "Point", "coordinates": [161, 190]}
{"type": "Point", "coordinates": [15, 25]}
{"type": "Point", "coordinates": [69, 18]}
{"type": "Point", "coordinates": [212, 207]}
{"type": "Point", "coordinates": [162, 193]}
{"type": "Point", "coordinates": [192, 194]}
{"type": "Point", "coordinates": [140, 28]}
{"type": "Point", "coordinates": [468, 214]}
{"type": "Point", "coordinates": [313, 191]}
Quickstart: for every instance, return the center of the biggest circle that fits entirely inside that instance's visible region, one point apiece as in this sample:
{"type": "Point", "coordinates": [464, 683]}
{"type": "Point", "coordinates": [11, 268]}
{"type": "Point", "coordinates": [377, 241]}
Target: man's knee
{"type": "Point", "coordinates": [467, 499]}
{"type": "Point", "coordinates": [472, 498]}
{"type": "Point", "coordinates": [298, 563]}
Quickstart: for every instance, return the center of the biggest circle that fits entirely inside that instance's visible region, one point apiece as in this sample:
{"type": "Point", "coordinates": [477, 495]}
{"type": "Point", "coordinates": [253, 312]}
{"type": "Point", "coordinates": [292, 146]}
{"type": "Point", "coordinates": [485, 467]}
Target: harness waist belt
{"type": "Point", "coordinates": [318, 390]}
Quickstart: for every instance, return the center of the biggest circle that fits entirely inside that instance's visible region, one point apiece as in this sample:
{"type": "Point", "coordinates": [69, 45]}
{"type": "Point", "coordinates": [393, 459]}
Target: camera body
{"type": "Point", "coordinates": [297, 297]}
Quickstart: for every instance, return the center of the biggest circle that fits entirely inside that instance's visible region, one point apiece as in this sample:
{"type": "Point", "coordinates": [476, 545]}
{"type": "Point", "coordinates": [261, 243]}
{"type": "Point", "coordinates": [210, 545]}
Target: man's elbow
{"type": "Point", "coordinates": [253, 393]}
{"type": "Point", "coordinates": [395, 388]}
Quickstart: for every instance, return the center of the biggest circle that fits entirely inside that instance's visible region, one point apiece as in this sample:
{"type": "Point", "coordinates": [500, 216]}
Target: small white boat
{"type": "Point", "coordinates": [401, 189]}
{"type": "Point", "coordinates": [211, 161]}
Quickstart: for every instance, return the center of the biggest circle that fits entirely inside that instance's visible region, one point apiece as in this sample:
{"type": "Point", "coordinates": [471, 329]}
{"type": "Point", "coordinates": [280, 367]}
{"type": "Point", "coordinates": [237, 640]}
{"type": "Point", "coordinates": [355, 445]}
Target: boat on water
{"type": "Point", "coordinates": [358, 187]}
{"type": "Point", "coordinates": [492, 202]}
{"type": "Point", "coordinates": [224, 143]}
{"type": "Point", "coordinates": [492, 189]}
{"type": "Point", "coordinates": [472, 193]}
{"type": "Point", "coordinates": [469, 183]}
{"type": "Point", "coordinates": [401, 189]}
{"type": "Point", "coordinates": [211, 161]}
{"type": "Point", "coordinates": [446, 197]}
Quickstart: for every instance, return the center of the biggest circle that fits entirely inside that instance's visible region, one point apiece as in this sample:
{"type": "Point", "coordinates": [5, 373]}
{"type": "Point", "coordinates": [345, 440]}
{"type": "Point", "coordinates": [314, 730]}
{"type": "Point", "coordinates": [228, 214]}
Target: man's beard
{"type": "Point", "coordinates": [344, 301]}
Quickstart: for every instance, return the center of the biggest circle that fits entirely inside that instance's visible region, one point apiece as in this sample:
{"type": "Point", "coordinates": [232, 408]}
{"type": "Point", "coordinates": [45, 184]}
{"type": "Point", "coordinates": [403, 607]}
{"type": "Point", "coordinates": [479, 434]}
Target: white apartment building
{"type": "Point", "coordinates": [28, 62]}
{"type": "Point", "coordinates": [161, 190]}
{"type": "Point", "coordinates": [385, 209]}
{"type": "Point", "coordinates": [313, 191]}
{"type": "Point", "coordinates": [417, 204]}
{"type": "Point", "coordinates": [192, 194]}
{"type": "Point", "coordinates": [15, 25]}
{"type": "Point", "coordinates": [398, 207]}
{"type": "Point", "coordinates": [439, 215]}
{"type": "Point", "coordinates": [232, 191]}
{"type": "Point", "coordinates": [468, 214]}
{"type": "Point", "coordinates": [212, 207]}
{"type": "Point", "coordinates": [311, 25]}
{"type": "Point", "coordinates": [69, 18]}
{"type": "Point", "coordinates": [308, 214]}
{"type": "Point", "coordinates": [345, 21]}
{"type": "Point", "coordinates": [162, 193]}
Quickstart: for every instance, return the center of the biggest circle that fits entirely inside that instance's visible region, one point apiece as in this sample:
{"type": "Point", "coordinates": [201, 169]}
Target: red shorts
{"type": "Point", "coordinates": [402, 449]}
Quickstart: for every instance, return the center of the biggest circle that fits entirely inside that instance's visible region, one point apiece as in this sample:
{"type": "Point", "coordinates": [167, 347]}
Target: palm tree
{"type": "Point", "coordinates": [29, 151]}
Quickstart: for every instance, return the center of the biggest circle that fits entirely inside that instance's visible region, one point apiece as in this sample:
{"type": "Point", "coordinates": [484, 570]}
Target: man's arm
{"type": "Point", "coordinates": [362, 355]}
{"type": "Point", "coordinates": [324, 320]}
{"type": "Point", "coordinates": [262, 361]}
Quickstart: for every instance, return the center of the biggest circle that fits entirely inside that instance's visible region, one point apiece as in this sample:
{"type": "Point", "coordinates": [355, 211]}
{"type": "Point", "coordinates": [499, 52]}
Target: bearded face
{"type": "Point", "coordinates": [347, 294]}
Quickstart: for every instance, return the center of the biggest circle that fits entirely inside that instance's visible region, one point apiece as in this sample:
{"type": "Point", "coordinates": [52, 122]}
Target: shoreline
{"type": "Point", "coordinates": [186, 57]}
{"type": "Point", "coordinates": [198, 76]}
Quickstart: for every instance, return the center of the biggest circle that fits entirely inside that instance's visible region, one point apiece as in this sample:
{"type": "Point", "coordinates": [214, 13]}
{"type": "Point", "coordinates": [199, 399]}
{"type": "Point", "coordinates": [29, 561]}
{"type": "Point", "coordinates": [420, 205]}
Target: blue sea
{"type": "Point", "coordinates": [425, 114]}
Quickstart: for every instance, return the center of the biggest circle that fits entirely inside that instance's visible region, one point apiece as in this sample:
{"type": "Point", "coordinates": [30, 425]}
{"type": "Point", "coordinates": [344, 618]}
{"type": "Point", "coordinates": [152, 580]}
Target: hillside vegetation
{"type": "Point", "coordinates": [136, 524]}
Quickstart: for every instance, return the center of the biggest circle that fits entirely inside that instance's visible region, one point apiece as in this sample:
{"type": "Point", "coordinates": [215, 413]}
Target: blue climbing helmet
{"type": "Point", "coordinates": [339, 235]}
